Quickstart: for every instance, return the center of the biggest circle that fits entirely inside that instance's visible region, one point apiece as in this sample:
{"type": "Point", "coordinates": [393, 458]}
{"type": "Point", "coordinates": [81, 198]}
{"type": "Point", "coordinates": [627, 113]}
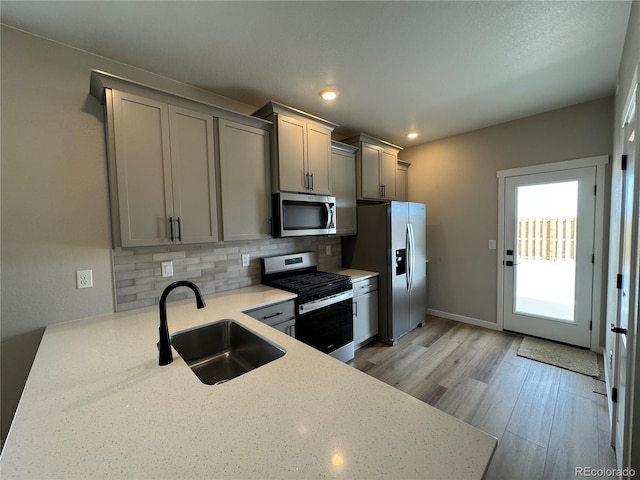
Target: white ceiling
{"type": "Point", "coordinates": [440, 68]}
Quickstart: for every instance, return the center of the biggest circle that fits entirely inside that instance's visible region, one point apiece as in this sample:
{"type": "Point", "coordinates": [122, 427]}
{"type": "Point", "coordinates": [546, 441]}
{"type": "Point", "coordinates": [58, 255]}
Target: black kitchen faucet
{"type": "Point", "coordinates": [164, 345]}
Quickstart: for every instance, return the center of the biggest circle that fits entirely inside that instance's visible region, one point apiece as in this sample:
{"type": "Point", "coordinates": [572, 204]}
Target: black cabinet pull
{"type": "Point", "coordinates": [510, 263]}
{"type": "Point", "coordinates": [615, 329]}
{"type": "Point", "coordinates": [271, 316]}
{"type": "Point", "coordinates": [179, 230]}
{"type": "Point", "coordinates": [171, 228]}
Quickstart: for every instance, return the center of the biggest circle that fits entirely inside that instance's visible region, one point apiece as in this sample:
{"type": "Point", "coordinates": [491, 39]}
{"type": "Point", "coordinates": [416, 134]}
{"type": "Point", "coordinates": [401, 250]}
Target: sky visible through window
{"type": "Point", "coordinates": [549, 200]}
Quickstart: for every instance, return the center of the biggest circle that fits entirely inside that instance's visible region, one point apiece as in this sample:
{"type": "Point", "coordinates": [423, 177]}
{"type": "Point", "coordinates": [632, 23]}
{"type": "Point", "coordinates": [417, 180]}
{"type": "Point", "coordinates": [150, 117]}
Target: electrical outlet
{"type": "Point", "coordinates": [492, 244]}
{"type": "Point", "coordinates": [84, 278]}
{"type": "Point", "coordinates": [328, 249]}
{"type": "Point", "coordinates": [245, 260]}
{"type": "Point", "coordinates": [167, 269]}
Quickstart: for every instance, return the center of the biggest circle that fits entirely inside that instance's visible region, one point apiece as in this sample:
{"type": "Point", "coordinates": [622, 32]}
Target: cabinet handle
{"type": "Point", "coordinates": [311, 176]}
{"type": "Point", "coordinates": [355, 309]}
{"type": "Point", "coordinates": [306, 181]}
{"type": "Point", "coordinates": [271, 316]}
{"type": "Point", "coordinates": [179, 230]}
{"type": "Point", "coordinates": [384, 190]}
{"type": "Point", "coordinates": [171, 228]}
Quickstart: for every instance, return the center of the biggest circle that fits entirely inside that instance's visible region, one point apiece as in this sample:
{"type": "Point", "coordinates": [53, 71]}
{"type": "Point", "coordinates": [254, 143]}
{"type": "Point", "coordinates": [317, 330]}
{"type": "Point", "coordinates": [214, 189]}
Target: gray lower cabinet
{"type": "Point", "coordinates": [343, 171]}
{"type": "Point", "coordinates": [165, 176]}
{"type": "Point", "coordinates": [244, 181]}
{"type": "Point", "coordinates": [365, 310]}
{"type": "Point", "coordinates": [280, 316]}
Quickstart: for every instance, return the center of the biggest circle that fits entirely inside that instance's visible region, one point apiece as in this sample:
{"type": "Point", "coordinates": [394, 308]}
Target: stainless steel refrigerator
{"type": "Point", "coordinates": [391, 240]}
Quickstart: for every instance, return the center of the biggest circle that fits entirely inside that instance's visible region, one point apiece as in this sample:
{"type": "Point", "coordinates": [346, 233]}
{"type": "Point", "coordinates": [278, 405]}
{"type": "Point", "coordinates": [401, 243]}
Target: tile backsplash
{"type": "Point", "coordinates": [214, 268]}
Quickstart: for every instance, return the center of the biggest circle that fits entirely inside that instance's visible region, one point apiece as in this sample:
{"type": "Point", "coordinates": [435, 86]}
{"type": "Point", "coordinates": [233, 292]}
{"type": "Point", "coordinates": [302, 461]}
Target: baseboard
{"type": "Point", "coordinates": [461, 318]}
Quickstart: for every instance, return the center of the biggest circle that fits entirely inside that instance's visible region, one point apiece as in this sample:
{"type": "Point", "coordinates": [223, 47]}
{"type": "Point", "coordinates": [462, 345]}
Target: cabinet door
{"type": "Point", "coordinates": [143, 169]}
{"type": "Point", "coordinates": [319, 159]}
{"type": "Point", "coordinates": [402, 181]}
{"type": "Point", "coordinates": [291, 154]}
{"type": "Point", "coordinates": [370, 160]}
{"type": "Point", "coordinates": [193, 175]}
{"type": "Point", "coordinates": [365, 317]}
{"type": "Point", "coordinates": [244, 181]}
{"type": "Point", "coordinates": [388, 169]}
{"type": "Point", "coordinates": [343, 171]}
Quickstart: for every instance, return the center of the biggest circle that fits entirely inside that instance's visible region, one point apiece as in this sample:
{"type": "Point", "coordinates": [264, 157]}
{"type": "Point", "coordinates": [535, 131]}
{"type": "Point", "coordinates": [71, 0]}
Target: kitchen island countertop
{"type": "Point", "coordinates": [97, 405]}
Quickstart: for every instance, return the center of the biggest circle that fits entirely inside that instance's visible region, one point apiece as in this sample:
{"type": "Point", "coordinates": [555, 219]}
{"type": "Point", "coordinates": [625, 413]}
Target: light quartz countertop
{"type": "Point", "coordinates": [97, 405]}
{"type": "Point", "coordinates": [357, 275]}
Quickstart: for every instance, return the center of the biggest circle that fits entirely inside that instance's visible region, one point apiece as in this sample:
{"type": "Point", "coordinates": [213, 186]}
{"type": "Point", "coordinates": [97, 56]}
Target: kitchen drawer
{"type": "Point", "coordinates": [365, 286]}
{"type": "Point", "coordinates": [275, 313]}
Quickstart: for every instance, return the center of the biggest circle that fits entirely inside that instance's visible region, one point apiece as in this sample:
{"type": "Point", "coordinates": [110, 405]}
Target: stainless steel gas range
{"type": "Point", "coordinates": [324, 306]}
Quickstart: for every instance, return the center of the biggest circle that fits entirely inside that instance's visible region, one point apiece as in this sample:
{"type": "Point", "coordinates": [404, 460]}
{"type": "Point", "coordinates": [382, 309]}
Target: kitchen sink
{"type": "Point", "coordinates": [220, 351]}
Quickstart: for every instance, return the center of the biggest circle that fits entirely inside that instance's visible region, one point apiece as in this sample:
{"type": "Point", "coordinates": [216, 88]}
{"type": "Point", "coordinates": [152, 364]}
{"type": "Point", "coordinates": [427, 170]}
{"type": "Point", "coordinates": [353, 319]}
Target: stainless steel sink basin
{"type": "Point", "coordinates": [220, 351]}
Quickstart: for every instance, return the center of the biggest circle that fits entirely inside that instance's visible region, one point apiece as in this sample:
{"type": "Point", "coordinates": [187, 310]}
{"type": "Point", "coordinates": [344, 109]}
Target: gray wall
{"type": "Point", "coordinates": [54, 196]}
{"type": "Point", "coordinates": [456, 178]}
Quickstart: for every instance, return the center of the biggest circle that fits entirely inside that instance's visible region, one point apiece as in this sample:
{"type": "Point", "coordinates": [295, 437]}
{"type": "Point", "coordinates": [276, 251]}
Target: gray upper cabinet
{"type": "Point", "coordinates": [194, 176]}
{"type": "Point", "coordinates": [244, 181]}
{"type": "Point", "coordinates": [376, 168]}
{"type": "Point", "coordinates": [165, 155]}
{"type": "Point", "coordinates": [343, 170]}
{"type": "Point", "coordinates": [301, 150]}
{"type": "Point", "coordinates": [402, 181]}
{"type": "Point", "coordinates": [164, 171]}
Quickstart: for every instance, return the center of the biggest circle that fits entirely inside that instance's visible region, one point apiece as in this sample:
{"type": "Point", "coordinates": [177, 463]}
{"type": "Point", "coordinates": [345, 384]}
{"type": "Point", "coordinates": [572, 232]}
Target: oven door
{"type": "Point", "coordinates": [329, 328]}
{"type": "Point", "coordinates": [298, 214]}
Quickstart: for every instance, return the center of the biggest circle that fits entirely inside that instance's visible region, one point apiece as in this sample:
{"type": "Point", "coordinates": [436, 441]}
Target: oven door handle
{"type": "Point", "coordinates": [324, 302]}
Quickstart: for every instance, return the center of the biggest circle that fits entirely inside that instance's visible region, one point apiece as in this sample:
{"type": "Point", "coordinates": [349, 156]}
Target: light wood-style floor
{"type": "Point", "coordinates": [547, 420]}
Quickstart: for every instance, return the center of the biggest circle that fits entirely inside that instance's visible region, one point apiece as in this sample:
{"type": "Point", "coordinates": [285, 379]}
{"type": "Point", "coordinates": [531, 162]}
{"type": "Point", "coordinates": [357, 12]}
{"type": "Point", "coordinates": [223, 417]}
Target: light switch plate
{"type": "Point", "coordinates": [245, 260]}
{"type": "Point", "coordinates": [492, 244]}
{"type": "Point", "coordinates": [167, 269]}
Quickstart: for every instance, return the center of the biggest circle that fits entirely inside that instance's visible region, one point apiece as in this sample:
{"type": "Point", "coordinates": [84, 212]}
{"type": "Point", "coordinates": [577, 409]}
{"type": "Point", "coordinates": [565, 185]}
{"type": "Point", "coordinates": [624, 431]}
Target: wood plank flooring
{"type": "Point", "coordinates": [547, 420]}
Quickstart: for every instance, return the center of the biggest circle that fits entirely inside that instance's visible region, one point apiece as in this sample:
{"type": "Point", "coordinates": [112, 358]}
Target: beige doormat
{"type": "Point", "coordinates": [564, 356]}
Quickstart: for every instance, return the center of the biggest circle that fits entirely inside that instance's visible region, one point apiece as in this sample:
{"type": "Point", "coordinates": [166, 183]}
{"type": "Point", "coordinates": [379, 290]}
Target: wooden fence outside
{"type": "Point", "coordinates": [547, 238]}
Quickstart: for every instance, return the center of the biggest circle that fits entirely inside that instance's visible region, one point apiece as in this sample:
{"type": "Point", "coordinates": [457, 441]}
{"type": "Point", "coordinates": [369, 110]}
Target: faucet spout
{"type": "Point", "coordinates": [164, 345]}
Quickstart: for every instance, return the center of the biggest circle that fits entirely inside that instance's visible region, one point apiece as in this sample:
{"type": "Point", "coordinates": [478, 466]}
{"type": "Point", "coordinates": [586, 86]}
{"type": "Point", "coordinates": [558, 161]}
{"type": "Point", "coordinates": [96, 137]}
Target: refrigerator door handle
{"type": "Point", "coordinates": [412, 255]}
{"type": "Point", "coordinates": [409, 254]}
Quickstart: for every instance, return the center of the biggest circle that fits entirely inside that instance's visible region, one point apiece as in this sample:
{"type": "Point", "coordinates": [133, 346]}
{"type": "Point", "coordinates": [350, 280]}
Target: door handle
{"type": "Point", "coordinates": [615, 329]}
{"type": "Point", "coordinates": [509, 263]}
{"type": "Point", "coordinates": [179, 230]}
{"type": "Point", "coordinates": [171, 228]}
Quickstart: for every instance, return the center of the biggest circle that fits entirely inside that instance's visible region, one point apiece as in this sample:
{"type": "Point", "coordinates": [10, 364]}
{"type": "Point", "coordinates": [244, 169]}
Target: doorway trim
{"type": "Point", "coordinates": [600, 163]}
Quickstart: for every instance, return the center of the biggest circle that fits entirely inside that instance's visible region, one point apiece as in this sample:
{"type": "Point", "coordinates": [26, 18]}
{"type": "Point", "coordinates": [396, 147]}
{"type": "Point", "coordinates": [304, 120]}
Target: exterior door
{"type": "Point", "coordinates": [549, 246]}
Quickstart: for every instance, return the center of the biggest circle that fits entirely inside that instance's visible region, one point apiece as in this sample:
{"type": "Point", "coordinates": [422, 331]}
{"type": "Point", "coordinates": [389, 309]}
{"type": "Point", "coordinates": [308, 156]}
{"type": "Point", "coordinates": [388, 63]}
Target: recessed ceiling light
{"type": "Point", "coordinates": [328, 94]}
{"type": "Point", "coordinates": [412, 134]}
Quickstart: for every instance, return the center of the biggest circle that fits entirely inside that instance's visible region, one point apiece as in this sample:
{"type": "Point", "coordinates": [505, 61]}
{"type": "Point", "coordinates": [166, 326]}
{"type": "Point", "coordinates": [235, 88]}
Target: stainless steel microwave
{"type": "Point", "coordinates": [300, 214]}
